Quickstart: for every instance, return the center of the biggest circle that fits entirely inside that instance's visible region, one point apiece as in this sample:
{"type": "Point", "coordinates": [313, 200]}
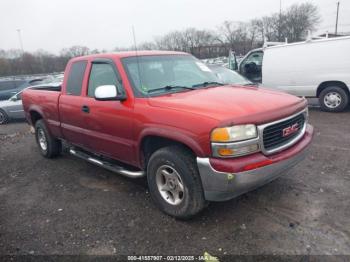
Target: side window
{"type": "Point", "coordinates": [255, 57]}
{"type": "Point", "coordinates": [251, 66]}
{"type": "Point", "coordinates": [101, 74]}
{"type": "Point", "coordinates": [7, 85]}
{"type": "Point", "coordinates": [75, 78]}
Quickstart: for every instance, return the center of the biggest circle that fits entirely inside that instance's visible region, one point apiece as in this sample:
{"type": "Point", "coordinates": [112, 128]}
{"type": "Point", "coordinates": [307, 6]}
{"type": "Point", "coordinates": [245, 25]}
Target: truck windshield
{"type": "Point", "coordinates": [153, 75]}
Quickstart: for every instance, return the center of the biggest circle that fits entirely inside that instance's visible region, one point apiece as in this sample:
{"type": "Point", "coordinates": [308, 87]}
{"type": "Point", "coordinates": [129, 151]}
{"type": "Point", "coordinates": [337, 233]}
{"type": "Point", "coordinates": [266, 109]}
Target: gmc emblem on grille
{"type": "Point", "coordinates": [290, 130]}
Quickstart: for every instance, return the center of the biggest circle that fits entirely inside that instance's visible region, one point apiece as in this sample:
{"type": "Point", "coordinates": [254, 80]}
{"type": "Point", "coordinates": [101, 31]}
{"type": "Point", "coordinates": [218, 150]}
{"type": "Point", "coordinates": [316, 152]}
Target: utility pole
{"type": "Point", "coordinates": [20, 40]}
{"type": "Point", "coordinates": [279, 22]}
{"type": "Point", "coordinates": [280, 7]}
{"type": "Point", "coordinates": [336, 21]}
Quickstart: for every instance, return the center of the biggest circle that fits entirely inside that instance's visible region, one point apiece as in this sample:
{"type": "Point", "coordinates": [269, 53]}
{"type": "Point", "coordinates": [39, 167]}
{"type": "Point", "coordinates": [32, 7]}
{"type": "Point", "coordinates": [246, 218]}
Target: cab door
{"type": "Point", "coordinates": [251, 66]}
{"type": "Point", "coordinates": [108, 123]}
{"type": "Point", "coordinates": [15, 107]}
{"type": "Point", "coordinates": [71, 106]}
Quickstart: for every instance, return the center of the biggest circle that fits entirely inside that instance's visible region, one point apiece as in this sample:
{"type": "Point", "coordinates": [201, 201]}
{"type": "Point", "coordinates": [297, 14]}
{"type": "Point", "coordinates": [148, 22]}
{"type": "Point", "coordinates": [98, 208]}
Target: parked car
{"type": "Point", "coordinates": [315, 68]}
{"type": "Point", "coordinates": [164, 115]}
{"type": "Point", "coordinates": [7, 88]}
{"type": "Point", "coordinates": [228, 76]}
{"type": "Point", "coordinates": [13, 109]}
{"type": "Point", "coordinates": [10, 87]}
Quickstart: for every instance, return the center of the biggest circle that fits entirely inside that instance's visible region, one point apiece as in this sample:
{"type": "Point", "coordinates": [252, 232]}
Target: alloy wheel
{"type": "Point", "coordinates": [170, 185]}
{"type": "Point", "coordinates": [42, 139]}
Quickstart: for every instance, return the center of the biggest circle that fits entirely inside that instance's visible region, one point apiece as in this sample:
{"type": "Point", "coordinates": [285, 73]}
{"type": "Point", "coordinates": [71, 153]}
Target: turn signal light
{"type": "Point", "coordinates": [228, 151]}
{"type": "Point", "coordinates": [225, 152]}
{"type": "Point", "coordinates": [220, 134]}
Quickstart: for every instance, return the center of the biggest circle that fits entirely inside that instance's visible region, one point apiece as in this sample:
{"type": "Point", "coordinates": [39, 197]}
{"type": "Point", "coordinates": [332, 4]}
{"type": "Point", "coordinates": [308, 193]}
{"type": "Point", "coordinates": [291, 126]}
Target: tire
{"type": "Point", "coordinates": [333, 99]}
{"type": "Point", "coordinates": [4, 119]}
{"type": "Point", "coordinates": [182, 175]}
{"type": "Point", "coordinates": [49, 146]}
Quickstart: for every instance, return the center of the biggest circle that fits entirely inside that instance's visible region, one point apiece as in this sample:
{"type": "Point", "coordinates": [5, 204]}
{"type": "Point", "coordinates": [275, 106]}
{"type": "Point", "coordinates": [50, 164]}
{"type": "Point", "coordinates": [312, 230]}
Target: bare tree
{"type": "Point", "coordinates": [147, 46]}
{"type": "Point", "coordinates": [293, 23]}
{"type": "Point", "coordinates": [299, 19]}
{"type": "Point", "coordinates": [75, 51]}
{"type": "Point", "coordinates": [240, 36]}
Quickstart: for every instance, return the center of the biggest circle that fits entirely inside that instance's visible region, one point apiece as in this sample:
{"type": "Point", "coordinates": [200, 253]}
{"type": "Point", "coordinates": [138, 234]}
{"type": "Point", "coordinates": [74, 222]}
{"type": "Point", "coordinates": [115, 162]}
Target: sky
{"type": "Point", "coordinates": [105, 24]}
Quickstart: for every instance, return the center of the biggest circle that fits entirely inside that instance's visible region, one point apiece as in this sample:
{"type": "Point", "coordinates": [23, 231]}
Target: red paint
{"type": "Point", "coordinates": [258, 165]}
{"type": "Point", "coordinates": [117, 128]}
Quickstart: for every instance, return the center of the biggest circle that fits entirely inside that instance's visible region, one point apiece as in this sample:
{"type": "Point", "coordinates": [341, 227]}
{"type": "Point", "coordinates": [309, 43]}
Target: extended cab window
{"type": "Point", "coordinates": [75, 78]}
{"type": "Point", "coordinates": [101, 74]}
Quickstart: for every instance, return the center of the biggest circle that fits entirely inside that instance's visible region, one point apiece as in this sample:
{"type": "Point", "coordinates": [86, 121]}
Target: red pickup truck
{"type": "Point", "coordinates": [164, 115]}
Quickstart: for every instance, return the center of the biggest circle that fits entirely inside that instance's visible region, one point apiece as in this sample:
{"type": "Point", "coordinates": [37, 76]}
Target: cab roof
{"type": "Point", "coordinates": [129, 54]}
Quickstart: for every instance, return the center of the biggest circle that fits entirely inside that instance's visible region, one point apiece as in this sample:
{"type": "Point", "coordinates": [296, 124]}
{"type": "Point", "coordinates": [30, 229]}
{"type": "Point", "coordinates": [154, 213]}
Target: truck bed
{"type": "Point", "coordinates": [45, 102]}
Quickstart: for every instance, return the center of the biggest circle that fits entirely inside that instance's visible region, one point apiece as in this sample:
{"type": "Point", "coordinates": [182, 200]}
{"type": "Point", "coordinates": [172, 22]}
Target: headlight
{"type": "Point", "coordinates": [234, 141]}
{"type": "Point", "coordinates": [234, 133]}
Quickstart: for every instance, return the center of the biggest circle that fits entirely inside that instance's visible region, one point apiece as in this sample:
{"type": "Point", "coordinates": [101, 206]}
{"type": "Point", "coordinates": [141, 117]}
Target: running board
{"type": "Point", "coordinates": [106, 165]}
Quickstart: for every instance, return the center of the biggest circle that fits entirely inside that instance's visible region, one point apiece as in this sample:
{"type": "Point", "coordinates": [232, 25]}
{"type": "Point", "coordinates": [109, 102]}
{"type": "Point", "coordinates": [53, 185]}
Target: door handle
{"type": "Point", "coordinates": [85, 109]}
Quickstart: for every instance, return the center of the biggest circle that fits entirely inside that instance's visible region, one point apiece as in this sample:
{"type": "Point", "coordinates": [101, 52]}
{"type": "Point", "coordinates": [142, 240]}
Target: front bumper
{"type": "Point", "coordinates": [221, 186]}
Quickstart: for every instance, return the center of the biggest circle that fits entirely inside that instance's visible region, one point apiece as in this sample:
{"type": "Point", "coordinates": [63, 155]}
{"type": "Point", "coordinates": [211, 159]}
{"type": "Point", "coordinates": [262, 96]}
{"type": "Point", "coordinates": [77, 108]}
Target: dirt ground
{"type": "Point", "coordinates": [68, 206]}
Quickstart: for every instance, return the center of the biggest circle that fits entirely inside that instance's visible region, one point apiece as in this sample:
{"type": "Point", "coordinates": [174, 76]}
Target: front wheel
{"type": "Point", "coordinates": [174, 182]}
{"type": "Point", "coordinates": [333, 99]}
{"type": "Point", "coordinates": [3, 117]}
{"type": "Point", "coordinates": [49, 146]}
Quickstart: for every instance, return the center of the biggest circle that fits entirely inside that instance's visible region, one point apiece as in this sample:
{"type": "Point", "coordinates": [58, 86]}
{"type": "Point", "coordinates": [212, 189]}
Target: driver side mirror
{"type": "Point", "coordinates": [108, 93]}
{"type": "Point", "coordinates": [13, 98]}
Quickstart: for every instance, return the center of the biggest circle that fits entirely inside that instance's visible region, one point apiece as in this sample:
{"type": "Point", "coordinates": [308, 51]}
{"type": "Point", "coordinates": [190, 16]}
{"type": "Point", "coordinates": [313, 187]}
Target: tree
{"type": "Point", "coordinates": [75, 51]}
{"type": "Point", "coordinates": [239, 36]}
{"type": "Point", "coordinates": [293, 24]}
{"type": "Point", "coordinates": [298, 20]}
{"type": "Point", "coordinates": [147, 46]}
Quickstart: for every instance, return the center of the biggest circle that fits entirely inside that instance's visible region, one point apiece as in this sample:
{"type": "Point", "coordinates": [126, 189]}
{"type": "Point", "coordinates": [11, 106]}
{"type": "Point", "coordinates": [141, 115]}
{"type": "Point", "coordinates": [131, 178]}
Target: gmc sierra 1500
{"type": "Point", "coordinates": [164, 115]}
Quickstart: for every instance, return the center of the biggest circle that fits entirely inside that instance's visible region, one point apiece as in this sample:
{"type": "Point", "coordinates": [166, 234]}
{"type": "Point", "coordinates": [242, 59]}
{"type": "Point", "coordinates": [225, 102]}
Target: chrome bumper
{"type": "Point", "coordinates": [219, 186]}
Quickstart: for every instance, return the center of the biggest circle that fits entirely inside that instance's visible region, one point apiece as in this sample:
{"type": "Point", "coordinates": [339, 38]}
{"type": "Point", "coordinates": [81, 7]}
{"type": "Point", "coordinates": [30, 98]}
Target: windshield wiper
{"type": "Point", "coordinates": [208, 84]}
{"type": "Point", "coordinates": [170, 87]}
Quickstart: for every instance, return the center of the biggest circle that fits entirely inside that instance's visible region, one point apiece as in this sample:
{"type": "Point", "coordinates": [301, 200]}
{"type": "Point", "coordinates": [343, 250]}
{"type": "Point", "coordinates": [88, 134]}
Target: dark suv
{"type": "Point", "coordinates": [10, 87]}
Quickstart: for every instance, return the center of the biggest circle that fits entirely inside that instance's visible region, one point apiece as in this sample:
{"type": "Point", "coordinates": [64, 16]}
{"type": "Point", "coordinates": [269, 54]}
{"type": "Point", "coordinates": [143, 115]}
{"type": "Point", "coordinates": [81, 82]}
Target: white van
{"type": "Point", "coordinates": [315, 68]}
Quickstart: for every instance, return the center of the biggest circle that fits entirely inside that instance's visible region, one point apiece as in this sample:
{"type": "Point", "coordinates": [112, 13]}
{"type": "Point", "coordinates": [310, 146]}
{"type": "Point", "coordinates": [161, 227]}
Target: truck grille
{"type": "Point", "coordinates": [279, 134]}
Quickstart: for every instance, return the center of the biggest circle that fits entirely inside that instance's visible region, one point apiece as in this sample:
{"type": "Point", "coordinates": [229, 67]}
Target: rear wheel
{"type": "Point", "coordinates": [333, 99]}
{"type": "Point", "coordinates": [4, 119]}
{"type": "Point", "coordinates": [174, 182]}
{"type": "Point", "coordinates": [49, 146]}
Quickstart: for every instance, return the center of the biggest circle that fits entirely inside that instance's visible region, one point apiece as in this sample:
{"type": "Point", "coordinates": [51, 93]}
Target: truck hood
{"type": "Point", "coordinates": [233, 104]}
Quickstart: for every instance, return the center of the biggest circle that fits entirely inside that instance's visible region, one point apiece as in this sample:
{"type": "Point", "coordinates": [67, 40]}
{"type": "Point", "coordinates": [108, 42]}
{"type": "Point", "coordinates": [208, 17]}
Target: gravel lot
{"type": "Point", "coordinates": [68, 206]}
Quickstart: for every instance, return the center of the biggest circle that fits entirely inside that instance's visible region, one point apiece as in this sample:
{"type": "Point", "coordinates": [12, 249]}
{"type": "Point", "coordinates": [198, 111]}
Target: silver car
{"type": "Point", "coordinates": [13, 108]}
